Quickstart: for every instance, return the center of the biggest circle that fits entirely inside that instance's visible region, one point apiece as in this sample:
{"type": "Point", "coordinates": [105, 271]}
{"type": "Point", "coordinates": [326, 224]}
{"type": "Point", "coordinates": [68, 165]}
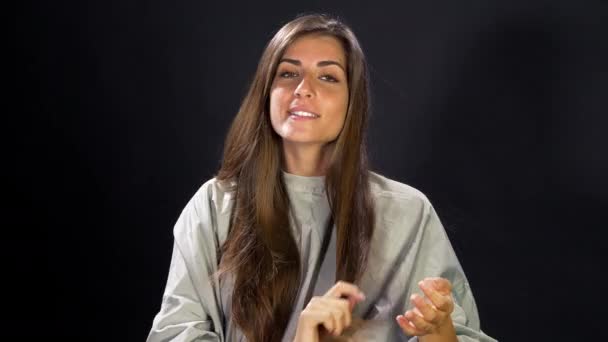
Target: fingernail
{"type": "Point", "coordinates": [361, 295]}
{"type": "Point", "coordinates": [421, 284]}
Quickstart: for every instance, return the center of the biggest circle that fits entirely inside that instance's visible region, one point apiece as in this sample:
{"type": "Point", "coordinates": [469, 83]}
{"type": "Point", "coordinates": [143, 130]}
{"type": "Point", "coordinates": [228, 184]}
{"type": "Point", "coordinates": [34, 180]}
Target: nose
{"type": "Point", "coordinates": [304, 88]}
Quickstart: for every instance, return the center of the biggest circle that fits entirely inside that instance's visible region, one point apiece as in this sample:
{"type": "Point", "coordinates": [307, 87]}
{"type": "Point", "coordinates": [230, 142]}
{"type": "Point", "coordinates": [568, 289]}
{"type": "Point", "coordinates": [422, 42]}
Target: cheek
{"type": "Point", "coordinates": [339, 107]}
{"type": "Point", "coordinates": [277, 108]}
{"type": "Point", "coordinates": [274, 105]}
{"type": "Point", "coordinates": [277, 100]}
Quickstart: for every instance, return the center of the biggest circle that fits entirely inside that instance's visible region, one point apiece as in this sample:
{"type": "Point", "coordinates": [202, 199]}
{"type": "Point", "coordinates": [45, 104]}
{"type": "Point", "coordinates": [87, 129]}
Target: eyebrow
{"type": "Point", "coordinates": [320, 64]}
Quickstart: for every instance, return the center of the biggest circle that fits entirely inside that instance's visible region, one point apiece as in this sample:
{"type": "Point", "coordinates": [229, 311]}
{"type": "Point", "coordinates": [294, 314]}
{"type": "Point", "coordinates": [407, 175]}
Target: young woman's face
{"type": "Point", "coordinates": [309, 94]}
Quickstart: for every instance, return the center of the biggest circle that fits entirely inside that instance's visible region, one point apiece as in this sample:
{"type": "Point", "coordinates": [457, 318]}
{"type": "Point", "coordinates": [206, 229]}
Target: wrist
{"type": "Point", "coordinates": [306, 332]}
{"type": "Point", "coordinates": [444, 333]}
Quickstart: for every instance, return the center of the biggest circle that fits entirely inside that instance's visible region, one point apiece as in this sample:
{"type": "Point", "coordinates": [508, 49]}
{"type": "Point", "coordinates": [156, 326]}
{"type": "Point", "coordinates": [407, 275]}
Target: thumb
{"type": "Point", "coordinates": [346, 291]}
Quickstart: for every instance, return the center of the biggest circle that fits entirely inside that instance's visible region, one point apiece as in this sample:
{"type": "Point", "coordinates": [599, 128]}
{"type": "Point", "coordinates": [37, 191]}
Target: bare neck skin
{"type": "Point", "coordinates": [308, 160]}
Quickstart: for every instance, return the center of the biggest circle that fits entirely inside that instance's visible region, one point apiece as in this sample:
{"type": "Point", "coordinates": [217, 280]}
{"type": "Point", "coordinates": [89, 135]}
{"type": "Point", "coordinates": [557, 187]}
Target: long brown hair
{"type": "Point", "coordinates": [260, 251]}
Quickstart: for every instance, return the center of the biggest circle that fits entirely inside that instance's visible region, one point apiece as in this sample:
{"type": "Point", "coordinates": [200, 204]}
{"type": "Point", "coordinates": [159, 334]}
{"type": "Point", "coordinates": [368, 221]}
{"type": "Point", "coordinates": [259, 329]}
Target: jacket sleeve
{"type": "Point", "coordinates": [411, 244]}
{"type": "Point", "coordinates": [436, 258]}
{"type": "Point", "coordinates": [190, 309]}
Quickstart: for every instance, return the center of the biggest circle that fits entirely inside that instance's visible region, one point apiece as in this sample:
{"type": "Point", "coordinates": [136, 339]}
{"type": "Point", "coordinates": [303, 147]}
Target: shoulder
{"type": "Point", "coordinates": [213, 192]}
{"type": "Point", "coordinates": [383, 187]}
{"type": "Point", "coordinates": [394, 199]}
{"type": "Point", "coordinates": [207, 209]}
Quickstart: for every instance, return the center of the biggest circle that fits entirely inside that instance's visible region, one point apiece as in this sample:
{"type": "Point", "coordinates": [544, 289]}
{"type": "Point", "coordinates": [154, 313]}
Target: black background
{"type": "Point", "coordinates": [495, 110]}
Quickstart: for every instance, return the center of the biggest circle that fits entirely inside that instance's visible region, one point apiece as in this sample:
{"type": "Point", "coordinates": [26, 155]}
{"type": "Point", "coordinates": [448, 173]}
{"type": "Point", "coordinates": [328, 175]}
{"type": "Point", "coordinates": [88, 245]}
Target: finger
{"type": "Point", "coordinates": [336, 307]}
{"type": "Point", "coordinates": [419, 322]}
{"type": "Point", "coordinates": [417, 312]}
{"type": "Point", "coordinates": [327, 320]}
{"type": "Point", "coordinates": [344, 306]}
{"type": "Point", "coordinates": [319, 316]}
{"type": "Point", "coordinates": [408, 327]}
{"type": "Point", "coordinates": [330, 315]}
{"type": "Point", "coordinates": [351, 302]}
{"type": "Point", "coordinates": [425, 309]}
{"type": "Point", "coordinates": [440, 284]}
{"type": "Point", "coordinates": [441, 302]}
{"type": "Point", "coordinates": [340, 312]}
{"type": "Point", "coordinates": [344, 289]}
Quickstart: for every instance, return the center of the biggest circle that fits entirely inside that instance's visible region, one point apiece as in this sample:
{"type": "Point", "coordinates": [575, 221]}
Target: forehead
{"type": "Point", "coordinates": [316, 47]}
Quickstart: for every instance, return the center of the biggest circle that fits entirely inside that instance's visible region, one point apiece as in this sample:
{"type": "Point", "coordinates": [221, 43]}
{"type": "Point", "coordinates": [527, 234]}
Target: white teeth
{"type": "Point", "coordinates": [301, 113]}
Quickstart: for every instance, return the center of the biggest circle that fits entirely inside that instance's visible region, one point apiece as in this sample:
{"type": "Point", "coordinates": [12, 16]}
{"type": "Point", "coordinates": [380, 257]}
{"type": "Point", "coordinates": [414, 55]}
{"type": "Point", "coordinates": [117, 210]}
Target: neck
{"type": "Point", "coordinates": [306, 160]}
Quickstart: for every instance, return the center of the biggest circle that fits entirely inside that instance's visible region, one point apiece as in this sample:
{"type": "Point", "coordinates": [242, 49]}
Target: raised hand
{"type": "Point", "coordinates": [430, 314]}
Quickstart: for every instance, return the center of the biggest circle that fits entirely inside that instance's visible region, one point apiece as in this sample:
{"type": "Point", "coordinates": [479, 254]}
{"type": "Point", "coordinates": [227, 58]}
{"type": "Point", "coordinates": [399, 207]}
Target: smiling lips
{"type": "Point", "coordinates": [303, 114]}
{"type": "Point", "coordinates": [300, 114]}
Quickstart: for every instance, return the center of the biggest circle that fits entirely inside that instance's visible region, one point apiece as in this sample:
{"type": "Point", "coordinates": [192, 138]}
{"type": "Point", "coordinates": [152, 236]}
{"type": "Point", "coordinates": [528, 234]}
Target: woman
{"type": "Point", "coordinates": [295, 239]}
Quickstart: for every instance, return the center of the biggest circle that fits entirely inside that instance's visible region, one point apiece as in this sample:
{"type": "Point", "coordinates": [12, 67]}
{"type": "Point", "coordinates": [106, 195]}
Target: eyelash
{"type": "Point", "coordinates": [330, 77]}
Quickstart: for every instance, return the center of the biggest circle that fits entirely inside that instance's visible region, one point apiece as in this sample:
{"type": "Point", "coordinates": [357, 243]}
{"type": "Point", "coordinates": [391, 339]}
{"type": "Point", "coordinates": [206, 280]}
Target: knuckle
{"type": "Point", "coordinates": [446, 303]}
{"type": "Point", "coordinates": [429, 315]}
{"type": "Point", "coordinates": [305, 315]}
{"type": "Point", "coordinates": [440, 302]}
{"type": "Point", "coordinates": [406, 327]}
{"type": "Point", "coordinates": [410, 329]}
{"type": "Point", "coordinates": [339, 314]}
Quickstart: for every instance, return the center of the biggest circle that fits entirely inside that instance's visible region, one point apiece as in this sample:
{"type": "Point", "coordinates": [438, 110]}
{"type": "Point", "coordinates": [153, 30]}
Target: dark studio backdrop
{"type": "Point", "coordinates": [495, 110]}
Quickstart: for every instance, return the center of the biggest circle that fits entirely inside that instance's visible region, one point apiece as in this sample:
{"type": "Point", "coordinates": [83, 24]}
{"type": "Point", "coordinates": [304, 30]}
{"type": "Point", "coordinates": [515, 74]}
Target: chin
{"type": "Point", "coordinates": [302, 140]}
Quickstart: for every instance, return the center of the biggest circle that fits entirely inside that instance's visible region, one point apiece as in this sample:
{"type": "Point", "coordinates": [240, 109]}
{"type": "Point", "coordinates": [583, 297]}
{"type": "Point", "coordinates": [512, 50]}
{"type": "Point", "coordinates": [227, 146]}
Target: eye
{"type": "Point", "coordinates": [329, 78]}
{"type": "Point", "coordinates": [287, 74]}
